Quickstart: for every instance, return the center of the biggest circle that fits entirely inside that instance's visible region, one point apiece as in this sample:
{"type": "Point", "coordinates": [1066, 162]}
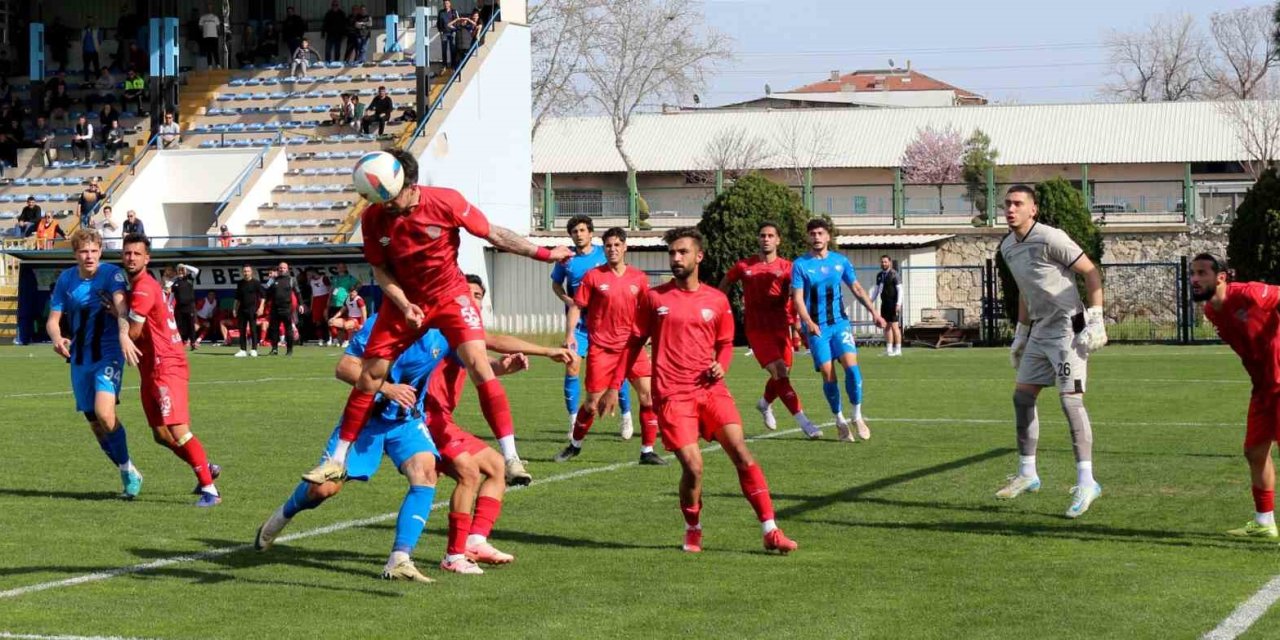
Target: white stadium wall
{"type": "Point", "coordinates": [246, 209]}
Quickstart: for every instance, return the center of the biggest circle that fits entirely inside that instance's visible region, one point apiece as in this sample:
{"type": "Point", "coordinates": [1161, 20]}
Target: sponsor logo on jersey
{"type": "Point", "coordinates": [384, 241]}
{"type": "Point", "coordinates": [604, 286]}
{"type": "Point", "coordinates": [662, 311]}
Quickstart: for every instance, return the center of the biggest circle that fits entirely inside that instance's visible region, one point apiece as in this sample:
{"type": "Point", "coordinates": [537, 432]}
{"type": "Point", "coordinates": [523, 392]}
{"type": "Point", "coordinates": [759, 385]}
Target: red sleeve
{"type": "Point", "coordinates": [374, 252]}
{"type": "Point", "coordinates": [735, 273]}
{"type": "Point", "coordinates": [1266, 296]}
{"type": "Point", "coordinates": [582, 297]}
{"type": "Point", "coordinates": [724, 337]}
{"type": "Point", "coordinates": [639, 336]}
{"type": "Point", "coordinates": [468, 216]}
{"type": "Point", "coordinates": [141, 301]}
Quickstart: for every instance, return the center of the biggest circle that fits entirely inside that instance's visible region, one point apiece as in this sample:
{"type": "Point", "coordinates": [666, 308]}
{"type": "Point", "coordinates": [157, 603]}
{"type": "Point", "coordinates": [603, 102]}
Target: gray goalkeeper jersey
{"type": "Point", "coordinates": [1041, 264]}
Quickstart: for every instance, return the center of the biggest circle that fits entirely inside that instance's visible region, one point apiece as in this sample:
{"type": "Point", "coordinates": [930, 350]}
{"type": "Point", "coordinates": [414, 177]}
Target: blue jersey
{"type": "Point", "coordinates": [95, 336]}
{"type": "Point", "coordinates": [570, 273]}
{"type": "Point", "coordinates": [413, 367]}
{"type": "Point", "coordinates": [820, 279]}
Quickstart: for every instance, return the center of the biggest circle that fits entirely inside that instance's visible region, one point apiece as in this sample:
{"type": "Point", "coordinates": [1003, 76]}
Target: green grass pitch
{"type": "Point", "coordinates": [899, 537]}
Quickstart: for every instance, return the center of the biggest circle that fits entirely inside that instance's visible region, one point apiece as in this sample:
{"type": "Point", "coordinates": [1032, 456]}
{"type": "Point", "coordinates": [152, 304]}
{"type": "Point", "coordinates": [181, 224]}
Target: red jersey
{"type": "Point", "coordinates": [445, 387]}
{"type": "Point", "coordinates": [690, 330]}
{"type": "Point", "coordinates": [420, 248]}
{"type": "Point", "coordinates": [611, 301]}
{"type": "Point", "coordinates": [1250, 323]}
{"type": "Point", "coordinates": [766, 292]}
{"type": "Point", "coordinates": [160, 343]}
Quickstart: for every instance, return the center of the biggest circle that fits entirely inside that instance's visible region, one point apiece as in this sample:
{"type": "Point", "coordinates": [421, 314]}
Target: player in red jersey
{"type": "Point", "coordinates": [610, 293]}
{"type": "Point", "coordinates": [476, 502]}
{"type": "Point", "coordinates": [766, 293]}
{"type": "Point", "coordinates": [1247, 317]}
{"type": "Point", "coordinates": [163, 367]}
{"type": "Point", "coordinates": [411, 241]}
{"type": "Point", "coordinates": [692, 330]}
{"type": "Point", "coordinates": [349, 319]}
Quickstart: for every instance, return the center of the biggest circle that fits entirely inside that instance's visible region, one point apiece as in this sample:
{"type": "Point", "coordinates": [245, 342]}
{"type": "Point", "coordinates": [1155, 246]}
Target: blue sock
{"type": "Point", "coordinates": [624, 397]}
{"type": "Point", "coordinates": [853, 384]}
{"type": "Point", "coordinates": [412, 519]}
{"type": "Point", "coordinates": [116, 445]}
{"type": "Point", "coordinates": [299, 501]}
{"type": "Point", "coordinates": [572, 394]}
{"type": "Point", "coordinates": [832, 391]}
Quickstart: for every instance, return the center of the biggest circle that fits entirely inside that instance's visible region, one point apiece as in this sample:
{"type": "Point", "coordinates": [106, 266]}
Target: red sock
{"type": "Point", "coordinates": [459, 525]}
{"type": "Point", "coordinates": [788, 395]}
{"type": "Point", "coordinates": [496, 409]}
{"type": "Point", "coordinates": [357, 412]}
{"type": "Point", "coordinates": [1264, 500]}
{"type": "Point", "coordinates": [691, 514]}
{"type": "Point", "coordinates": [333, 332]}
{"type": "Point", "coordinates": [192, 453]}
{"type": "Point", "coordinates": [582, 423]}
{"type": "Point", "coordinates": [770, 390]}
{"type": "Point", "coordinates": [487, 510]}
{"type": "Point", "coordinates": [648, 426]}
{"type": "Point", "coordinates": [754, 487]}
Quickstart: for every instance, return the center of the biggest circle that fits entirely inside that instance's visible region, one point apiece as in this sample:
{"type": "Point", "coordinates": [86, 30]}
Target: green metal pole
{"type": "Point", "coordinates": [899, 203]}
{"type": "Point", "coordinates": [633, 209]}
{"type": "Point", "coordinates": [991, 196]}
{"type": "Point", "coordinates": [548, 203]}
{"type": "Point", "coordinates": [1188, 195]}
{"type": "Point", "coordinates": [1085, 189]}
{"type": "Point", "coordinates": [719, 181]}
{"type": "Point", "coordinates": [808, 189]}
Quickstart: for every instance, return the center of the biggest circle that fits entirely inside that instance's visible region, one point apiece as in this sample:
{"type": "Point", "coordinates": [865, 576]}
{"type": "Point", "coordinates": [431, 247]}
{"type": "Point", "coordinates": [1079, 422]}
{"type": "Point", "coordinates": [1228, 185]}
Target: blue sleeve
{"type": "Point", "coordinates": [116, 280]}
{"type": "Point", "coordinates": [558, 273]}
{"type": "Point", "coordinates": [849, 276]}
{"type": "Point", "coordinates": [361, 338]}
{"type": "Point", "coordinates": [797, 276]}
{"type": "Point", "coordinates": [59, 297]}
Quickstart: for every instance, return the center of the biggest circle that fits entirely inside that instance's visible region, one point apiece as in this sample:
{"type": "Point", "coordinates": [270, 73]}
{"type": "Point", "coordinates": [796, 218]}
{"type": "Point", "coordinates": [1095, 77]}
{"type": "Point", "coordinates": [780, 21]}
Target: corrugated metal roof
{"type": "Point", "coordinates": [845, 241]}
{"type": "Point", "coordinates": [1024, 135]}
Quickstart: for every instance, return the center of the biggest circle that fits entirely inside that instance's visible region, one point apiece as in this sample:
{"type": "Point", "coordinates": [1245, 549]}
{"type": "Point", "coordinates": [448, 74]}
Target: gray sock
{"type": "Point", "coordinates": [1028, 422]}
{"type": "Point", "coordinates": [1081, 432]}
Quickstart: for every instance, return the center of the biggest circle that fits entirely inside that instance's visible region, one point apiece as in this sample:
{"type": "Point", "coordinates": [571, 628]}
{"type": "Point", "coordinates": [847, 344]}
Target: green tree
{"type": "Point", "coordinates": [1060, 205]}
{"type": "Point", "coordinates": [1253, 245]}
{"type": "Point", "coordinates": [730, 225]}
{"type": "Point", "coordinates": [979, 156]}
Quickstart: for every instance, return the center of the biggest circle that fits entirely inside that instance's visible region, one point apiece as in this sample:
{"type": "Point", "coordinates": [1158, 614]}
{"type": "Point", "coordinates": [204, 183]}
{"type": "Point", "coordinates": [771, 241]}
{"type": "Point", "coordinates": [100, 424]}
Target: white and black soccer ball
{"type": "Point", "coordinates": [378, 176]}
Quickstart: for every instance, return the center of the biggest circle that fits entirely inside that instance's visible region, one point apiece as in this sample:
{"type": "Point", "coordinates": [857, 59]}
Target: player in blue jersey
{"type": "Point", "coordinates": [816, 280]}
{"type": "Point", "coordinates": [565, 277]}
{"type": "Point", "coordinates": [99, 345]}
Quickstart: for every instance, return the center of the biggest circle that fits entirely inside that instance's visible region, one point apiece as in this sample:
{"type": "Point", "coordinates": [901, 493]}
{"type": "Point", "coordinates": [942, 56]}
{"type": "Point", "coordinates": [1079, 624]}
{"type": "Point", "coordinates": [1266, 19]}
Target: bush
{"type": "Point", "coordinates": [1253, 246]}
{"type": "Point", "coordinates": [1061, 205]}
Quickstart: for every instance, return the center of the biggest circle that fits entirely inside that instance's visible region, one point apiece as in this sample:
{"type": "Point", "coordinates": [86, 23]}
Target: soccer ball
{"type": "Point", "coordinates": [378, 176]}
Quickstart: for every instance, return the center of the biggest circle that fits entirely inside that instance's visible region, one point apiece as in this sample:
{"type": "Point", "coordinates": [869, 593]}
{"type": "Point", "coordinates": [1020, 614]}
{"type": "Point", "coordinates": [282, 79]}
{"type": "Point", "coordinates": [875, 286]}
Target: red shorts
{"type": "Point", "coordinates": [603, 364]}
{"type": "Point", "coordinates": [164, 397]}
{"type": "Point", "coordinates": [770, 346]}
{"type": "Point", "coordinates": [452, 441]}
{"type": "Point", "coordinates": [457, 318]}
{"type": "Point", "coordinates": [320, 308]}
{"type": "Point", "coordinates": [1264, 419]}
{"type": "Point", "coordinates": [683, 419]}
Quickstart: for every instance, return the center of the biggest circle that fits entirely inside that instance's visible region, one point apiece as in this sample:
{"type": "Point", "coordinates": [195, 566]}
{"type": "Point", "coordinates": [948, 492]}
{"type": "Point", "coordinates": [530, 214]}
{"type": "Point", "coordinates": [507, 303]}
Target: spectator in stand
{"type": "Point", "coordinates": [207, 317]}
{"type": "Point", "coordinates": [358, 31]}
{"type": "Point", "coordinates": [447, 25]}
{"type": "Point", "coordinates": [248, 45]}
{"type": "Point", "coordinates": [82, 139]}
{"type": "Point", "coordinates": [184, 303]}
{"type": "Point", "coordinates": [41, 137]}
{"type": "Point", "coordinates": [302, 58]}
{"type": "Point", "coordinates": [102, 90]}
{"type": "Point", "coordinates": [90, 45]}
{"type": "Point", "coordinates": [344, 114]}
{"type": "Point", "coordinates": [209, 25]}
{"type": "Point", "coordinates": [138, 60]}
{"type": "Point", "coordinates": [47, 231]}
{"type": "Point", "coordinates": [170, 133]}
{"type": "Point", "coordinates": [132, 224]}
{"type": "Point", "coordinates": [59, 38]}
{"type": "Point", "coordinates": [126, 31]}
{"type": "Point", "coordinates": [468, 33]}
{"type": "Point", "coordinates": [111, 236]}
{"type": "Point", "coordinates": [10, 139]}
{"type": "Point", "coordinates": [319, 304]}
{"type": "Point", "coordinates": [335, 29]}
{"type": "Point", "coordinates": [106, 116]}
{"type": "Point", "coordinates": [29, 218]}
{"type": "Point", "coordinates": [268, 43]}
{"type": "Point", "coordinates": [379, 111]}
{"type": "Point", "coordinates": [248, 308]}
{"type": "Point", "coordinates": [409, 114]}
{"type": "Point", "coordinates": [294, 29]}
{"type": "Point", "coordinates": [90, 198]}
{"type": "Point", "coordinates": [135, 87]}
{"type": "Point", "coordinates": [224, 237]}
{"type": "Point", "coordinates": [113, 141]}
{"type": "Point", "coordinates": [58, 103]}
{"type": "Point", "coordinates": [282, 291]}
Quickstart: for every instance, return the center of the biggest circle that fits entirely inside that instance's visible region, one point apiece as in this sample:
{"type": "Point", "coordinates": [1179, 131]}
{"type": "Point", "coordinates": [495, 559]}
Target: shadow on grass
{"type": "Point", "coordinates": [61, 495]}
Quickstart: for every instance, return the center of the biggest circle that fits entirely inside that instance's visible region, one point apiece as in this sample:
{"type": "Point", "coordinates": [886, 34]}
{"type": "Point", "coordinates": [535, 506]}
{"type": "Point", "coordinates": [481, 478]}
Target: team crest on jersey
{"type": "Point", "coordinates": [749, 272]}
{"type": "Point", "coordinates": [839, 268]}
{"type": "Point", "coordinates": [635, 290]}
{"type": "Point", "coordinates": [433, 231]}
{"type": "Point", "coordinates": [708, 315]}
{"type": "Point", "coordinates": [824, 269]}
{"type": "Point", "coordinates": [435, 353]}
{"type": "Point", "coordinates": [662, 311]}
{"type": "Point", "coordinates": [384, 241]}
{"type": "Point", "coordinates": [119, 276]}
{"type": "Point", "coordinates": [463, 300]}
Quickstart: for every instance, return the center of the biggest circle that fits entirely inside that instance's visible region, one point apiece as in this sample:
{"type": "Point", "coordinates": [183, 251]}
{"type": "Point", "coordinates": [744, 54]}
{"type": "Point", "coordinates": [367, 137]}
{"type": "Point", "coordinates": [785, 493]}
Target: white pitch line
{"type": "Point", "coordinates": [32, 636]}
{"type": "Point", "coordinates": [1104, 423]}
{"type": "Point", "coordinates": [333, 528]}
{"type": "Point", "coordinates": [1247, 613]}
{"type": "Point", "coordinates": [45, 394]}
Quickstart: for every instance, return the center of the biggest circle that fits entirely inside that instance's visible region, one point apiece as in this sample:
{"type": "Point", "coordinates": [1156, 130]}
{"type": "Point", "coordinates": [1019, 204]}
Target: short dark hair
{"type": "Point", "coordinates": [1023, 188]}
{"type": "Point", "coordinates": [819, 223]}
{"type": "Point", "coordinates": [615, 232]}
{"type": "Point", "coordinates": [408, 163]}
{"type": "Point", "coordinates": [683, 232]}
{"type": "Point", "coordinates": [137, 238]}
{"type": "Point", "coordinates": [768, 223]}
{"type": "Point", "coordinates": [475, 279]}
{"type": "Point", "coordinates": [577, 220]}
{"type": "Point", "coordinates": [1219, 264]}
{"type": "Point", "coordinates": [884, 256]}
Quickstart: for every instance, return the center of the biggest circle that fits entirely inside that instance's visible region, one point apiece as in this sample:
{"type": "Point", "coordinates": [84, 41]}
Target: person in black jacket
{"type": "Point", "coordinates": [282, 291]}
{"type": "Point", "coordinates": [379, 112]}
{"type": "Point", "coordinates": [335, 29]}
{"type": "Point", "coordinates": [29, 218]}
{"type": "Point", "coordinates": [359, 27]}
{"type": "Point", "coordinates": [294, 29]}
{"type": "Point", "coordinates": [248, 307]}
{"type": "Point", "coordinates": [447, 25]}
{"type": "Point", "coordinates": [184, 303]}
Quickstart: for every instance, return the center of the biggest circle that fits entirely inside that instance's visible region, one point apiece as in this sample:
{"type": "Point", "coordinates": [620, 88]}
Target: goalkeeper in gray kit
{"type": "Point", "coordinates": [1051, 346]}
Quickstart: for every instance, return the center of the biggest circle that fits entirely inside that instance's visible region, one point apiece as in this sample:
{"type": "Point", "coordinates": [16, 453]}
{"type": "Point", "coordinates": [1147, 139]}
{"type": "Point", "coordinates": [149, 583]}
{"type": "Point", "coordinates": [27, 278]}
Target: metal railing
{"type": "Point", "coordinates": [453, 78]}
{"type": "Point", "coordinates": [131, 169]}
{"type": "Point", "coordinates": [237, 189]}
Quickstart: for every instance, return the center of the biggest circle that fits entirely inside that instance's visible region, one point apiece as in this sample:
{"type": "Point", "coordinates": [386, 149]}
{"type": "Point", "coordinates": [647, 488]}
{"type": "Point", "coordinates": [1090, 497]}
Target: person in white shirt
{"type": "Point", "coordinates": [109, 229]}
{"type": "Point", "coordinates": [209, 24]}
{"type": "Point", "coordinates": [206, 309]}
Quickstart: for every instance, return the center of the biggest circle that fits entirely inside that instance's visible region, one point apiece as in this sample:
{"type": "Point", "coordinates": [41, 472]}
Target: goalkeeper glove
{"type": "Point", "coordinates": [1094, 336]}
{"type": "Point", "coordinates": [1020, 337]}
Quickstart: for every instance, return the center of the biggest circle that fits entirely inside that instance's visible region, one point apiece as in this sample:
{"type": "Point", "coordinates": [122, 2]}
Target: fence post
{"type": "Point", "coordinates": [808, 189]}
{"type": "Point", "coordinates": [719, 181]}
{"type": "Point", "coordinates": [1186, 310]}
{"type": "Point", "coordinates": [991, 196]}
{"type": "Point", "coordinates": [633, 209]}
{"type": "Point", "coordinates": [1085, 189]}
{"type": "Point", "coordinates": [1188, 195]}
{"type": "Point", "coordinates": [548, 203]}
{"type": "Point", "coordinates": [898, 200]}
{"type": "Point", "coordinates": [988, 302]}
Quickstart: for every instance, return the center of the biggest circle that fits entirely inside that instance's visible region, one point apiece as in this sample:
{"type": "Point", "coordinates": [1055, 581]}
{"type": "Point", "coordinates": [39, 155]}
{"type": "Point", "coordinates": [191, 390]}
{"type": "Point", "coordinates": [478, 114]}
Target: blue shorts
{"type": "Point", "coordinates": [399, 440]}
{"type": "Point", "coordinates": [835, 341]}
{"type": "Point", "coordinates": [583, 339]}
{"type": "Point", "coordinates": [89, 379]}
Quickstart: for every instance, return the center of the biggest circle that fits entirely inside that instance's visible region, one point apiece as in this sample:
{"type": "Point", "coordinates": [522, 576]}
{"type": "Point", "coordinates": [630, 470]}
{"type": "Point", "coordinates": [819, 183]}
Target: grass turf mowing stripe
{"type": "Point", "coordinates": [33, 636]}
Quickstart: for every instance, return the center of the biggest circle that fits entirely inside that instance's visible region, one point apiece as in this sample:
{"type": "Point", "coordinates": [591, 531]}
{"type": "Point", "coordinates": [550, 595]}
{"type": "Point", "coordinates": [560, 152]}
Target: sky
{"type": "Point", "coordinates": [1035, 51]}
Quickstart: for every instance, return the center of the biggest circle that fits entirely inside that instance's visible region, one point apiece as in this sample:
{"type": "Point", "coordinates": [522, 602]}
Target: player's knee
{"type": "Point", "coordinates": [573, 368]}
{"type": "Point", "coordinates": [162, 437]}
{"type": "Point", "coordinates": [1071, 403]}
{"type": "Point", "coordinates": [420, 469]}
{"type": "Point", "coordinates": [469, 475]}
{"type": "Point", "coordinates": [1024, 399]}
